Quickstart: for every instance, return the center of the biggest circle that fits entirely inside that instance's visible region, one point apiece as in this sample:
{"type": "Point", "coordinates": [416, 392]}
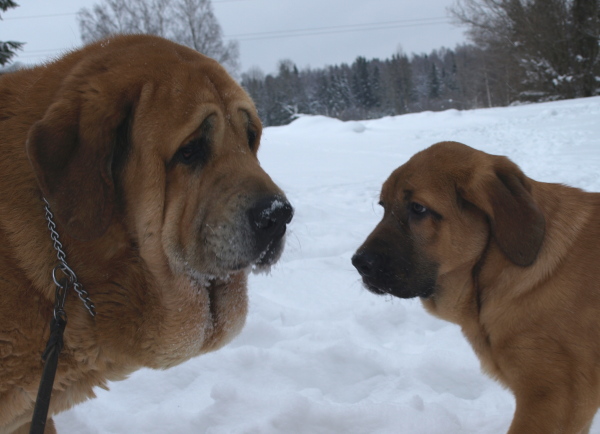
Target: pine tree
{"type": "Point", "coordinates": [254, 82]}
{"type": "Point", "coordinates": [362, 85]}
{"type": "Point", "coordinates": [323, 95]}
{"type": "Point", "coordinates": [8, 48]}
{"type": "Point", "coordinates": [402, 84]}
{"type": "Point", "coordinates": [585, 45]}
{"type": "Point", "coordinates": [341, 93]}
{"type": "Point", "coordinates": [434, 83]}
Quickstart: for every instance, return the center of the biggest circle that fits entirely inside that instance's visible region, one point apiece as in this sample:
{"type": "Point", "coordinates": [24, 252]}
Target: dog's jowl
{"type": "Point", "coordinates": [146, 152]}
{"type": "Point", "coordinates": [513, 261]}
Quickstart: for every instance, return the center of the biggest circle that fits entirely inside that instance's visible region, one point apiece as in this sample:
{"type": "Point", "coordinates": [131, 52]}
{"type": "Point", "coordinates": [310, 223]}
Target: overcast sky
{"type": "Point", "coordinates": [311, 33]}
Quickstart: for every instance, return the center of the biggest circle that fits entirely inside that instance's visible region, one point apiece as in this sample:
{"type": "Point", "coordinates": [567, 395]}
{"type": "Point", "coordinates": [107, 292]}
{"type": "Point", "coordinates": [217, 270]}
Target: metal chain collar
{"type": "Point", "coordinates": [64, 267]}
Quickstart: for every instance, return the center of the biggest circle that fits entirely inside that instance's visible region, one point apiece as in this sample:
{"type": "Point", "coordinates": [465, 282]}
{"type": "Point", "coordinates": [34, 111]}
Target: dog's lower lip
{"type": "Point", "coordinates": [264, 259]}
{"type": "Point", "coordinates": [207, 280]}
{"type": "Point", "coordinates": [270, 254]}
{"type": "Point", "coordinates": [374, 289]}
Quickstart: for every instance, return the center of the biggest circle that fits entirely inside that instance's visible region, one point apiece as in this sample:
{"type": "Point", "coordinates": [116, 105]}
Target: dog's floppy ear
{"type": "Point", "coordinates": [71, 151]}
{"type": "Point", "coordinates": [517, 223]}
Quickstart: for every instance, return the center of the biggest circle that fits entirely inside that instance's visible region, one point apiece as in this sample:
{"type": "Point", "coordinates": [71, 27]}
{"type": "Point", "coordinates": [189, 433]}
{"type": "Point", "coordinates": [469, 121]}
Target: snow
{"type": "Point", "coordinates": [320, 354]}
{"type": "Point", "coordinates": [275, 205]}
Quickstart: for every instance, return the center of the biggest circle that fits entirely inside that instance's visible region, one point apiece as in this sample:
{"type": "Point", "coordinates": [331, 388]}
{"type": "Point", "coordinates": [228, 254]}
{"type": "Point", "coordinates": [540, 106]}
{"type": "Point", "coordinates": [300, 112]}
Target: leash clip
{"type": "Point", "coordinates": [60, 296]}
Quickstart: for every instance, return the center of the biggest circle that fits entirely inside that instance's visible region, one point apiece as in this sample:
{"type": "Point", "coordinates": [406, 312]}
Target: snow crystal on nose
{"type": "Point", "coordinates": [275, 205]}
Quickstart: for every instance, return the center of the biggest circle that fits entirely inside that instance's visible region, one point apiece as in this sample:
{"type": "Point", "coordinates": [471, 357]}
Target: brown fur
{"type": "Point", "coordinates": [513, 261]}
{"type": "Point", "coordinates": [162, 247]}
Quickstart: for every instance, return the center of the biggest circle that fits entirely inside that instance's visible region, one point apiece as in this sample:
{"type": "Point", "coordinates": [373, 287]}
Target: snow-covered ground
{"type": "Point", "coordinates": [320, 354]}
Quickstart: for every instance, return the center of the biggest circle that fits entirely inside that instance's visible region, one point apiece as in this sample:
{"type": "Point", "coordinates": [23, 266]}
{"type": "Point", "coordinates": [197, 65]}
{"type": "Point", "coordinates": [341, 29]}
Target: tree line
{"type": "Point", "coordinates": [521, 51]}
{"type": "Point", "coordinates": [368, 89]}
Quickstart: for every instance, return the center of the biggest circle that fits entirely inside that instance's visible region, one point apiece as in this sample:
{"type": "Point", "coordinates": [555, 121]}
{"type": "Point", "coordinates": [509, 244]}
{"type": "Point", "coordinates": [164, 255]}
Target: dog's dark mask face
{"type": "Point", "coordinates": [391, 261]}
{"type": "Point", "coordinates": [443, 208]}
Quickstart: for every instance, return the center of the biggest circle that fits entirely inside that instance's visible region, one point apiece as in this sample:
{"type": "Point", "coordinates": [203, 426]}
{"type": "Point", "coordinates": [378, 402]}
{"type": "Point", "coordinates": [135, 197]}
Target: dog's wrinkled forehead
{"type": "Point", "coordinates": [438, 168]}
{"type": "Point", "coordinates": [415, 177]}
{"type": "Point", "coordinates": [185, 76]}
{"type": "Point", "coordinates": [192, 95]}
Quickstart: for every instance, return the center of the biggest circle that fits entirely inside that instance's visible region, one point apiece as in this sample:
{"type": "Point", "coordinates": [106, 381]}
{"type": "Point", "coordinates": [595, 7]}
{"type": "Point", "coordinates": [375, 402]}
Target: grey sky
{"type": "Point", "coordinates": [309, 32]}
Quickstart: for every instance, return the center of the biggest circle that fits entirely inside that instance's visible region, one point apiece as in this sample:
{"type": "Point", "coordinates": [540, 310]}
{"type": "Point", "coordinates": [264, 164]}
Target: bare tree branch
{"type": "Point", "coordinates": [188, 22]}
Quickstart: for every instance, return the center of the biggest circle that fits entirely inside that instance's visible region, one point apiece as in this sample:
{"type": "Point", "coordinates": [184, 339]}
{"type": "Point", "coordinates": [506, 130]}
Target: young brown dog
{"type": "Point", "coordinates": [514, 262]}
{"type": "Point", "coordinates": [146, 151]}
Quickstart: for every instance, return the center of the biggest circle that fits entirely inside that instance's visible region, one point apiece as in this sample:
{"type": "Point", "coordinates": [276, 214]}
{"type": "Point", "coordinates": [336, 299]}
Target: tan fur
{"type": "Point", "coordinates": [162, 248]}
{"type": "Point", "coordinates": [518, 268]}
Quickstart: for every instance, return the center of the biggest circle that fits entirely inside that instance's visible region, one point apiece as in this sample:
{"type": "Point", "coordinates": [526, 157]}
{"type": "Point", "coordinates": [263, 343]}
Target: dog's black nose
{"type": "Point", "coordinates": [365, 262]}
{"type": "Point", "coordinates": [269, 217]}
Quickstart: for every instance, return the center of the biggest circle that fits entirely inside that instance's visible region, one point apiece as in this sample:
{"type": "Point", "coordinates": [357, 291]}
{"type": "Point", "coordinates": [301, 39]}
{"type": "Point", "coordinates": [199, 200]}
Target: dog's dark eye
{"type": "Point", "coordinates": [252, 136]}
{"type": "Point", "coordinates": [195, 151]}
{"type": "Point", "coordinates": [417, 208]}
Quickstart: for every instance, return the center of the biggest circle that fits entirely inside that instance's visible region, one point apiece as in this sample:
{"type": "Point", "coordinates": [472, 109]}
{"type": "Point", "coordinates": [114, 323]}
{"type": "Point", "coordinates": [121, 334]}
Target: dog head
{"type": "Point", "coordinates": [154, 135]}
{"type": "Point", "coordinates": [442, 209]}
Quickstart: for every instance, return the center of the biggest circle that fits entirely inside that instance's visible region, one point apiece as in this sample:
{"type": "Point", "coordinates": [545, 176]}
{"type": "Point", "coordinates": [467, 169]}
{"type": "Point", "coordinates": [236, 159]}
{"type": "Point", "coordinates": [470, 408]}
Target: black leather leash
{"type": "Point", "coordinates": [57, 327]}
{"type": "Point", "coordinates": [50, 357]}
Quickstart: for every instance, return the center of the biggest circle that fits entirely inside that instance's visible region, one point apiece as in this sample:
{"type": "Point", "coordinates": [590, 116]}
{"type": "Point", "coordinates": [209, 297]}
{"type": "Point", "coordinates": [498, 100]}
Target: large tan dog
{"type": "Point", "coordinates": [514, 262]}
{"type": "Point", "coordinates": [146, 152]}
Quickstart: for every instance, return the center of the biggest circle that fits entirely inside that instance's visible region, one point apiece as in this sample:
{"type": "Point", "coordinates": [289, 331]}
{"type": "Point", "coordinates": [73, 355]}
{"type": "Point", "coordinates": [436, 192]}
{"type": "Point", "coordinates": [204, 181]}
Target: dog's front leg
{"type": "Point", "coordinates": [558, 412]}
